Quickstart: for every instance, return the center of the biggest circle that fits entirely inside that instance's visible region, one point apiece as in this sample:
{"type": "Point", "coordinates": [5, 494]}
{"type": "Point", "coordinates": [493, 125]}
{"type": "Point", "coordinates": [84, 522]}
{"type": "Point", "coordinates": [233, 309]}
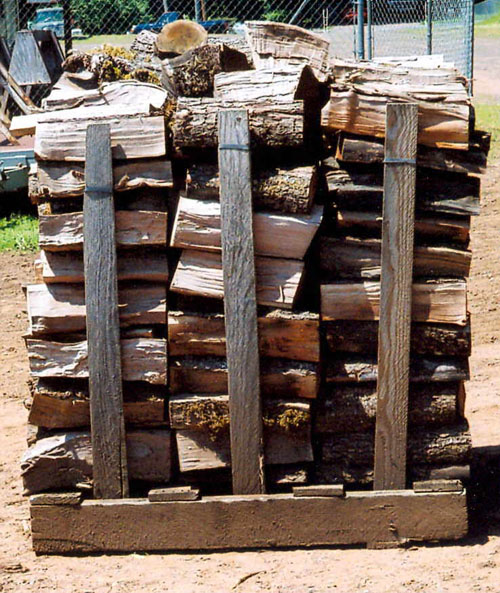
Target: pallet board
{"type": "Point", "coordinates": [218, 523]}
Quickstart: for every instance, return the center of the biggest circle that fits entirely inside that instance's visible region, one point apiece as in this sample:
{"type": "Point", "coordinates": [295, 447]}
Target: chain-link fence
{"type": "Point", "coordinates": [357, 28]}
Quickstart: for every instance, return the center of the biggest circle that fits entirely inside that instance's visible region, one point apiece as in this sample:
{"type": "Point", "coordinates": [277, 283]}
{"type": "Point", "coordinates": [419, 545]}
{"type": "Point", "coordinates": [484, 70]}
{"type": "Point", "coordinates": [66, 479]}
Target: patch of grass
{"type": "Point", "coordinates": [97, 40]}
{"type": "Point", "coordinates": [488, 119]}
{"type": "Point", "coordinates": [19, 232]}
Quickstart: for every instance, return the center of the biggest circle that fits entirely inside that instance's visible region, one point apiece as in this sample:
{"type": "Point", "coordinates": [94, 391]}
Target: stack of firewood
{"type": "Point", "coordinates": [317, 169]}
{"type": "Point", "coordinates": [450, 156]}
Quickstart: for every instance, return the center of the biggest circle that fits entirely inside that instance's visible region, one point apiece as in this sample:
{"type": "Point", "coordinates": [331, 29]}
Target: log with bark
{"type": "Point", "coordinates": [282, 334]}
{"type": "Point", "coordinates": [137, 228]}
{"type": "Point", "coordinates": [279, 44]}
{"type": "Point", "coordinates": [371, 151]}
{"type": "Point", "coordinates": [426, 338]}
{"type": "Point", "coordinates": [272, 125]}
{"type": "Point", "coordinates": [427, 229]}
{"type": "Point", "coordinates": [286, 189]}
{"type": "Point", "coordinates": [359, 94]}
{"type": "Point", "coordinates": [58, 180]}
{"type": "Point", "coordinates": [142, 359]}
{"type": "Point", "coordinates": [279, 378]}
{"type": "Point", "coordinates": [135, 132]}
{"type": "Point", "coordinates": [60, 309]}
{"type": "Point", "coordinates": [67, 268]}
{"type": "Point", "coordinates": [352, 408]}
{"type": "Point", "coordinates": [192, 73]}
{"type": "Point", "coordinates": [200, 273]}
{"type": "Point", "coordinates": [198, 226]}
{"type": "Point", "coordinates": [355, 477]}
{"type": "Point", "coordinates": [446, 445]}
{"type": "Point", "coordinates": [350, 257]}
{"type": "Point", "coordinates": [350, 368]}
{"type": "Point", "coordinates": [361, 189]}
{"type": "Point", "coordinates": [64, 404]}
{"type": "Point", "coordinates": [64, 461]}
{"type": "Point", "coordinates": [435, 302]}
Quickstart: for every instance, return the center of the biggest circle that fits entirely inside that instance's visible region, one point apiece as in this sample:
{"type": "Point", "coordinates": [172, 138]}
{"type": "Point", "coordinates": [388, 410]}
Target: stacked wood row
{"type": "Point", "coordinates": [61, 456]}
{"type": "Point", "coordinates": [316, 140]}
{"type": "Point", "coordinates": [451, 154]}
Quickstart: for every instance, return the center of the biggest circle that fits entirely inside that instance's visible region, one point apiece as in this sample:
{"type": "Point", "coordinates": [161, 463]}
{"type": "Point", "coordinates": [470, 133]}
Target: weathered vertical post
{"type": "Point", "coordinates": [360, 31]}
{"type": "Point", "coordinates": [428, 19]}
{"type": "Point", "coordinates": [240, 303]}
{"type": "Point", "coordinates": [395, 298]}
{"type": "Point", "coordinates": [369, 29]}
{"type": "Point", "coordinates": [103, 327]}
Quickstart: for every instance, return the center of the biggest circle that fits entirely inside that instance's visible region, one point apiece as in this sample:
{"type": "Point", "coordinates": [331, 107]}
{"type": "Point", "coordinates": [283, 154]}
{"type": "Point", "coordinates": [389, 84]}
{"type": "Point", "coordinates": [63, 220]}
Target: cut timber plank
{"type": "Point", "coordinates": [61, 498]}
{"type": "Point", "coordinates": [282, 334]}
{"type": "Point", "coordinates": [23, 125]}
{"type": "Point", "coordinates": [289, 83]}
{"type": "Point", "coordinates": [199, 450]}
{"type": "Point", "coordinates": [143, 360]}
{"type": "Point", "coordinates": [283, 189]}
{"type": "Point", "coordinates": [353, 258]}
{"type": "Point", "coordinates": [352, 407]}
{"type": "Point", "coordinates": [240, 303]}
{"type": "Point", "coordinates": [438, 339]}
{"type": "Point", "coordinates": [454, 230]}
{"type": "Point", "coordinates": [438, 486]}
{"type": "Point", "coordinates": [223, 522]}
{"type": "Point", "coordinates": [197, 226]}
{"type": "Point", "coordinates": [173, 493]}
{"type": "Point", "coordinates": [319, 490]}
{"type": "Point", "coordinates": [443, 302]}
{"type": "Point", "coordinates": [278, 377]}
{"type": "Point", "coordinates": [60, 135]}
{"type": "Point", "coordinates": [393, 378]}
{"type": "Point", "coordinates": [60, 309]}
{"type": "Point", "coordinates": [103, 324]}
{"type": "Point", "coordinates": [58, 267]}
{"type": "Point", "coordinates": [364, 368]}
{"type": "Point", "coordinates": [274, 45]}
{"type": "Point", "coordinates": [57, 180]}
{"type": "Point", "coordinates": [64, 232]}
{"type": "Point", "coordinates": [50, 411]}
{"type": "Point", "coordinates": [65, 460]}
{"type": "Point", "coordinates": [200, 273]}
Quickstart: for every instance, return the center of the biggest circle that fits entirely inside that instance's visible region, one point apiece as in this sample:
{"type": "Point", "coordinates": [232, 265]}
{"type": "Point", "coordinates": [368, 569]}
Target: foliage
{"type": "Point", "coordinates": [488, 119]}
{"type": "Point", "coordinates": [19, 232]}
{"type": "Point", "coordinates": [100, 17]}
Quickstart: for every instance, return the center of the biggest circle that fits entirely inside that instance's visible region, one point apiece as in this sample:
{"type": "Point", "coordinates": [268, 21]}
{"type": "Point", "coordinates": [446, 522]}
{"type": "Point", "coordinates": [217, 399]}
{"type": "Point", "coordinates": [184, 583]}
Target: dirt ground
{"type": "Point", "coordinates": [469, 566]}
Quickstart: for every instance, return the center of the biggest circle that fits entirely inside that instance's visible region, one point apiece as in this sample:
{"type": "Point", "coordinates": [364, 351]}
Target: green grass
{"type": "Point", "coordinates": [488, 119]}
{"type": "Point", "coordinates": [19, 232]}
{"type": "Point", "coordinates": [96, 40]}
{"type": "Point", "coordinates": [490, 27]}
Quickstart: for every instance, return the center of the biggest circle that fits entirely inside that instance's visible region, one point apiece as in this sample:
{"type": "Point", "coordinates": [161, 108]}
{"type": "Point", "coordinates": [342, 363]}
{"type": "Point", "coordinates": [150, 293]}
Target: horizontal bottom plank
{"type": "Point", "coordinates": [254, 521]}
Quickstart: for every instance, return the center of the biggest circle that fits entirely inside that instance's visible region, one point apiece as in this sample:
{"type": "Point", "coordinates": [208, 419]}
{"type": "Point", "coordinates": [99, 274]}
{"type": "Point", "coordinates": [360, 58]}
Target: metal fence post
{"type": "Point", "coordinates": [470, 44]}
{"type": "Point", "coordinates": [360, 50]}
{"type": "Point", "coordinates": [428, 10]}
{"type": "Point", "coordinates": [369, 30]}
